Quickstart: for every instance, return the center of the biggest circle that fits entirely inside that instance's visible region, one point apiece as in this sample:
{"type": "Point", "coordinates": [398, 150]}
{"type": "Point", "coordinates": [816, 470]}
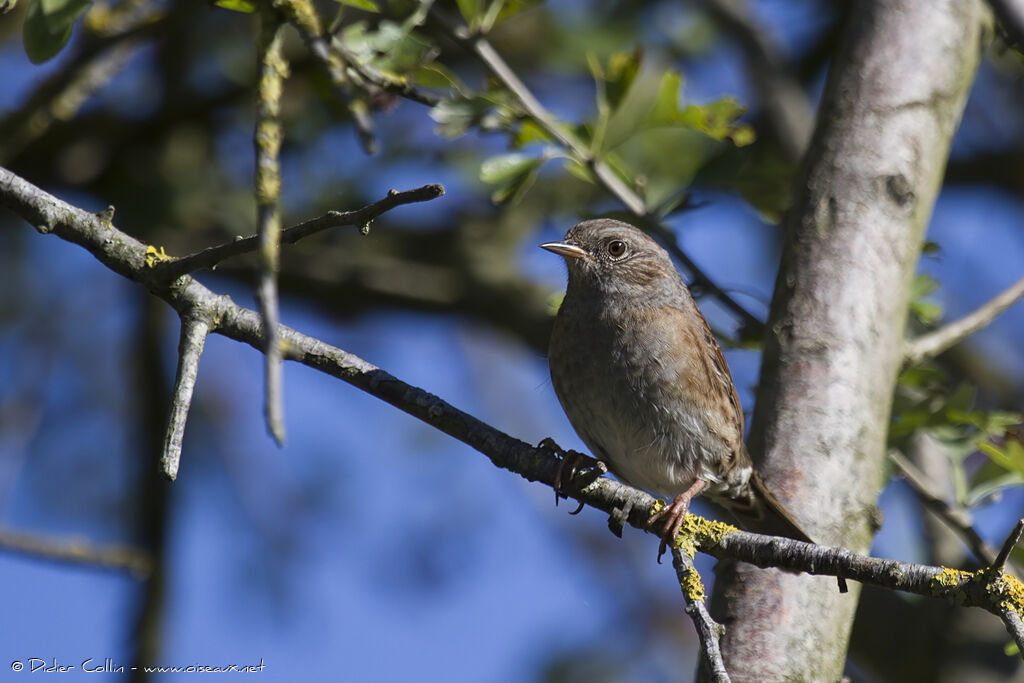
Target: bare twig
{"type": "Point", "coordinates": [267, 140]}
{"type": "Point", "coordinates": [210, 257]}
{"type": "Point", "coordinates": [955, 519]}
{"type": "Point", "coordinates": [932, 344]}
{"type": "Point", "coordinates": [78, 551]}
{"type": "Point", "coordinates": [194, 329]}
{"type": "Point", "coordinates": [1008, 545]}
{"type": "Point", "coordinates": [708, 630]}
{"type": "Point", "coordinates": [608, 178]}
{"type": "Point", "coordinates": [994, 591]}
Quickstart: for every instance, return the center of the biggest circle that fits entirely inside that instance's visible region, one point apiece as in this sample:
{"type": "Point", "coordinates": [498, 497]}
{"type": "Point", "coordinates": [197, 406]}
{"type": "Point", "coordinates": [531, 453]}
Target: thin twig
{"type": "Point", "coordinates": [190, 347]}
{"type": "Point", "coordinates": [955, 519]}
{"type": "Point", "coordinates": [267, 140]}
{"type": "Point", "coordinates": [994, 591]}
{"type": "Point", "coordinates": [708, 630]}
{"type": "Point", "coordinates": [78, 551]}
{"type": "Point", "coordinates": [211, 256]}
{"type": "Point", "coordinates": [608, 178]}
{"type": "Point", "coordinates": [932, 344]}
{"type": "Point", "coordinates": [1008, 545]}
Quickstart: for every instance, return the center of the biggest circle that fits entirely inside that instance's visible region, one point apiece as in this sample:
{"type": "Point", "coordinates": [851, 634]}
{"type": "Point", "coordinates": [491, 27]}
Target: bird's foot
{"type": "Point", "coordinates": [674, 513]}
{"type": "Point", "coordinates": [573, 465]}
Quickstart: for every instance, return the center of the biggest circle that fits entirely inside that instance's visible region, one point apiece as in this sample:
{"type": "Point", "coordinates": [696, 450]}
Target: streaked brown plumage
{"type": "Point", "coordinates": [644, 383]}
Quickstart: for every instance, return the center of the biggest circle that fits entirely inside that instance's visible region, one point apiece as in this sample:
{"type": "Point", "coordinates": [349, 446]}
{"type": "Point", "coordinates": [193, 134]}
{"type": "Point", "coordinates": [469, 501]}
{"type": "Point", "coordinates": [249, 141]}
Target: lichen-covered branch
{"type": "Point", "coordinates": [708, 631]}
{"type": "Point", "coordinates": [267, 140]}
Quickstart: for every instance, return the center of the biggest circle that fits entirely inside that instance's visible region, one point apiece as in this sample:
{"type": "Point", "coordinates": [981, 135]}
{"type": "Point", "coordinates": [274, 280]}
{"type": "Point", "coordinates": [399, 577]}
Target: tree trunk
{"type": "Point", "coordinates": [834, 343]}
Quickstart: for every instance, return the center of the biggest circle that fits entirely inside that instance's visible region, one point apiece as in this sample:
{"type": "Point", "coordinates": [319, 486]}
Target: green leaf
{"type": "Point", "coordinates": [528, 133]}
{"type": "Point", "coordinates": [48, 25]}
{"type": "Point", "coordinates": [456, 116]}
{"type": "Point", "coordinates": [470, 10]}
{"type": "Point", "coordinates": [516, 190]}
{"type": "Point", "coordinates": [666, 103]}
{"type": "Point", "coordinates": [366, 5]}
{"type": "Point", "coordinates": [961, 400]}
{"type": "Point", "coordinates": [505, 167]}
{"type": "Point", "coordinates": [922, 286]}
{"type": "Point", "coordinates": [580, 171]}
{"type": "Point", "coordinates": [517, 171]}
{"type": "Point", "coordinates": [436, 76]}
{"type": "Point", "coordinates": [927, 313]}
{"type": "Point", "coordinates": [1010, 458]}
{"type": "Point", "coordinates": [620, 74]}
{"type": "Point", "coordinates": [717, 119]}
{"type": "Point", "coordinates": [513, 7]}
{"type": "Point", "coordinates": [245, 6]}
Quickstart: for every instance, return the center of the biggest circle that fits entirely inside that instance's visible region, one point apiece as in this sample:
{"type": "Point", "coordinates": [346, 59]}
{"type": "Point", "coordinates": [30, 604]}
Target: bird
{"type": "Point", "coordinates": [645, 385]}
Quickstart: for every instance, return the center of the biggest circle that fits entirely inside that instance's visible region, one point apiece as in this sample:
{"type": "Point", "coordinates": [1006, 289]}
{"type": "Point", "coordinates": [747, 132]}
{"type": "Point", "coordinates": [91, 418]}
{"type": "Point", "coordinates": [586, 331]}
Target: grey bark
{"type": "Point", "coordinates": [834, 342]}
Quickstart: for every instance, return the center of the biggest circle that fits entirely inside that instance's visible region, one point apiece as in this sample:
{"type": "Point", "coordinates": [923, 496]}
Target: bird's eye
{"type": "Point", "coordinates": [616, 248]}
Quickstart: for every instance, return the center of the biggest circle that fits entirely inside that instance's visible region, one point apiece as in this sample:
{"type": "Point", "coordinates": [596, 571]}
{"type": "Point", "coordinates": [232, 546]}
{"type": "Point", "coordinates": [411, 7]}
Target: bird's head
{"type": "Point", "coordinates": [610, 256]}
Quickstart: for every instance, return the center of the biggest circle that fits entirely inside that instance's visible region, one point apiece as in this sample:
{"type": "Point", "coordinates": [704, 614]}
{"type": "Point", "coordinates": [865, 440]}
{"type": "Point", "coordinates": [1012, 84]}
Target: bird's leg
{"type": "Point", "coordinates": [572, 462]}
{"type": "Point", "coordinates": [674, 513]}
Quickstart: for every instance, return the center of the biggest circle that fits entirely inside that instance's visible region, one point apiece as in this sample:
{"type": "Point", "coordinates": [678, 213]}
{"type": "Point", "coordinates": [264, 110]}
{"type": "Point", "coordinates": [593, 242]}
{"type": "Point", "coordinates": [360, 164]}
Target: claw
{"type": "Point", "coordinates": [674, 513]}
{"type": "Point", "coordinates": [573, 461]}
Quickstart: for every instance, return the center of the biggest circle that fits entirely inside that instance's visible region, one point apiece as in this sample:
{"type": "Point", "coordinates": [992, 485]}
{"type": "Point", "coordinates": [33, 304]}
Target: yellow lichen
{"type": "Point", "coordinates": [155, 256]}
{"type": "Point", "coordinates": [692, 586]}
{"type": "Point", "coordinates": [1007, 592]}
{"type": "Point", "coordinates": [697, 532]}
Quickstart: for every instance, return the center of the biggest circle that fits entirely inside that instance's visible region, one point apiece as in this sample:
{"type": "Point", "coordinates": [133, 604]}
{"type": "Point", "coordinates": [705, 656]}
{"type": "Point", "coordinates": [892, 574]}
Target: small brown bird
{"type": "Point", "coordinates": [645, 384]}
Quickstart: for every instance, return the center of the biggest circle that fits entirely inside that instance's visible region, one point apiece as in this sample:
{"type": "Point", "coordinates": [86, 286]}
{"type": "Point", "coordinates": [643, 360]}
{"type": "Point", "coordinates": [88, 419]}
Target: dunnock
{"type": "Point", "coordinates": [644, 382]}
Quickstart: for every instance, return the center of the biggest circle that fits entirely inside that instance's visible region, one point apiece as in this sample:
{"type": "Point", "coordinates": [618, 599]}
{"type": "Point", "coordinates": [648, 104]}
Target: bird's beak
{"type": "Point", "coordinates": [566, 249]}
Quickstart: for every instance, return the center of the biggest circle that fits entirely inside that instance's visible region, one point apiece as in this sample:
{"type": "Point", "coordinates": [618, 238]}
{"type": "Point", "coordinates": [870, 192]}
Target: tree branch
{"type": "Point", "coordinates": [952, 518]}
{"type": "Point", "coordinates": [210, 257]}
{"type": "Point", "coordinates": [990, 589]}
{"type": "Point", "coordinates": [190, 347]}
{"type": "Point", "coordinates": [267, 139]}
{"type": "Point", "coordinates": [708, 631]}
{"type": "Point", "coordinates": [932, 344]}
{"type": "Point", "coordinates": [78, 551]}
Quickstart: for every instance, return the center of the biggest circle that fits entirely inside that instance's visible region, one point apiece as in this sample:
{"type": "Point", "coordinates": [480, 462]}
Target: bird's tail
{"type": "Point", "coordinates": [759, 511]}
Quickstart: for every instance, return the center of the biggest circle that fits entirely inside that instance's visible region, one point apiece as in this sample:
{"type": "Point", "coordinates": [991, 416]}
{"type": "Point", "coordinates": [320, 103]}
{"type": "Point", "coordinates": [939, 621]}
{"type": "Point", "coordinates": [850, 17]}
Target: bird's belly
{"type": "Point", "coordinates": [645, 442]}
{"type": "Point", "coordinates": [663, 454]}
{"type": "Point", "coordinates": [630, 407]}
